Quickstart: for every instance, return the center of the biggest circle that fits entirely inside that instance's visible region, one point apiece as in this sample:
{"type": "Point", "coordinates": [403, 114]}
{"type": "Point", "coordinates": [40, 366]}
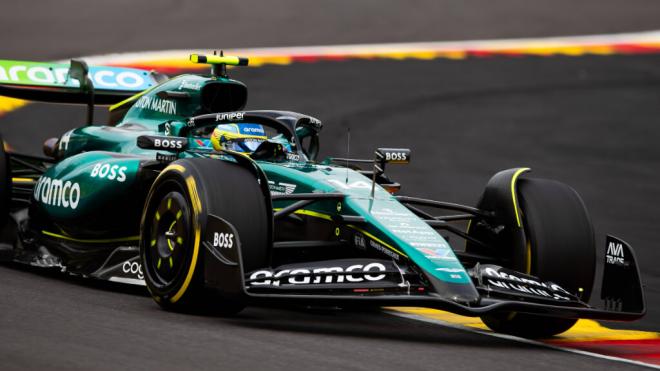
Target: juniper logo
{"type": "Point", "coordinates": [230, 116]}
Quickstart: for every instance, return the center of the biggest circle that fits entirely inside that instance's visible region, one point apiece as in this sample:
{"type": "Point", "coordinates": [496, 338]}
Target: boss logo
{"type": "Point", "coordinates": [110, 172]}
{"type": "Point", "coordinates": [168, 143]}
{"type": "Point", "coordinates": [393, 155]}
{"type": "Point", "coordinates": [396, 156]}
{"type": "Point", "coordinates": [176, 144]}
{"type": "Point", "coordinates": [223, 240]}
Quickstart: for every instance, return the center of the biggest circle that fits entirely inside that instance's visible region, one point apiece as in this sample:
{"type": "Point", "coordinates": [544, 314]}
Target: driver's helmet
{"type": "Point", "coordinates": [243, 138]}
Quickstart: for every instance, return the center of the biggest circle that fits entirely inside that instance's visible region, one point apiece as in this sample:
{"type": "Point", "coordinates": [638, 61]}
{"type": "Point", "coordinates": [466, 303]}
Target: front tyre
{"type": "Point", "coordinates": [560, 248]}
{"type": "Point", "coordinates": [173, 223]}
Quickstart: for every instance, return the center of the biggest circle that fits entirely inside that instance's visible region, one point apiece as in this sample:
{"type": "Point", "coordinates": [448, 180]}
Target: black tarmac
{"type": "Point", "coordinates": [592, 122]}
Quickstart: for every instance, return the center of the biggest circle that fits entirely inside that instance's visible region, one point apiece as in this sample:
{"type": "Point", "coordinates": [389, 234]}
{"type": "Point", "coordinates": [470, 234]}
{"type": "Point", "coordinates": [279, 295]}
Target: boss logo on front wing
{"type": "Point", "coordinates": [304, 276]}
{"type": "Point", "coordinates": [223, 240]}
{"type": "Point", "coordinates": [54, 192]}
{"type": "Point", "coordinates": [109, 172]}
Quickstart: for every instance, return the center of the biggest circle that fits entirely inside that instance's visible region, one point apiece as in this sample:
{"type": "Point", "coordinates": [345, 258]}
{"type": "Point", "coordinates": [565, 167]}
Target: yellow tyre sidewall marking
{"type": "Point", "coordinates": [197, 209]}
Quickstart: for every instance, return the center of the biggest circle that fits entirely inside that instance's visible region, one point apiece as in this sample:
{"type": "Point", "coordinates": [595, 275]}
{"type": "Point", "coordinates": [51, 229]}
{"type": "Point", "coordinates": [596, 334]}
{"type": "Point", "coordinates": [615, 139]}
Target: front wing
{"type": "Point", "coordinates": [368, 282]}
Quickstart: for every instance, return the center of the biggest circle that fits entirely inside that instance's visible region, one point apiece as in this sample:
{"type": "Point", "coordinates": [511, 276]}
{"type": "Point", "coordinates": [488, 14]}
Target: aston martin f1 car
{"type": "Point", "coordinates": [255, 218]}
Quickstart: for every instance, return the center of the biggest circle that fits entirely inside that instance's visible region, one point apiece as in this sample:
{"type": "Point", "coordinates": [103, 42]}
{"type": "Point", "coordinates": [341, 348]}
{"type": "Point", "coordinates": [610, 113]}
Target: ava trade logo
{"type": "Point", "coordinates": [614, 254]}
{"type": "Point", "coordinates": [52, 74]}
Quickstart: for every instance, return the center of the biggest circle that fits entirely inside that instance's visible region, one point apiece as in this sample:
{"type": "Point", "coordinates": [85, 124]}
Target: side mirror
{"type": "Point", "coordinates": [393, 155]}
{"type": "Point", "coordinates": [50, 147]}
{"type": "Point", "coordinates": [387, 156]}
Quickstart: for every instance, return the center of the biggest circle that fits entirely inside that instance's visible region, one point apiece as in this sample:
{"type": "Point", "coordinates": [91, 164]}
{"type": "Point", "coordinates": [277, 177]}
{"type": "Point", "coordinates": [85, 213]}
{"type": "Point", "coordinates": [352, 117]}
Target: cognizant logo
{"type": "Point", "coordinates": [54, 192]}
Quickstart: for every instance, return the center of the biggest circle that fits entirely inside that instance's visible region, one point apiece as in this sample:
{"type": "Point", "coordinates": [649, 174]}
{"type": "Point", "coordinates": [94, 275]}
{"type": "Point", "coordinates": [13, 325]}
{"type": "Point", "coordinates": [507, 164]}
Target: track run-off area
{"type": "Point", "coordinates": [584, 110]}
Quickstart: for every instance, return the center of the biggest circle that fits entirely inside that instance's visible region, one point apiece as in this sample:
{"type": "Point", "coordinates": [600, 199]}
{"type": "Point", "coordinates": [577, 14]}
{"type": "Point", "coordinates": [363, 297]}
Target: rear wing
{"type": "Point", "coordinates": [58, 83]}
{"type": "Point", "coordinates": [75, 83]}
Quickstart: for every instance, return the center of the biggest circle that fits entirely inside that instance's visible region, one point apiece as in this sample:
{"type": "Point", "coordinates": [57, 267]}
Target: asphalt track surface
{"type": "Point", "coordinates": [56, 29]}
{"type": "Point", "coordinates": [591, 122]}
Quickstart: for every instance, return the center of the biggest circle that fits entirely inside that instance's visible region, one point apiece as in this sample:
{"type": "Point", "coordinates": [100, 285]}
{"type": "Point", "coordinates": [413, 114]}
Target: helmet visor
{"type": "Point", "coordinates": [242, 144]}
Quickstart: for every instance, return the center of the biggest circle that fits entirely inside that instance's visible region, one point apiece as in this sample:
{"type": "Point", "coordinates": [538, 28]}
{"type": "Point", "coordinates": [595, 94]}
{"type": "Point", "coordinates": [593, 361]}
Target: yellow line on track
{"type": "Point", "coordinates": [584, 329]}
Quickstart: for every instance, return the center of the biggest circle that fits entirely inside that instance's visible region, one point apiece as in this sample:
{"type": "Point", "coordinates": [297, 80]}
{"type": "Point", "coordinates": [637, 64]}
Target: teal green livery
{"type": "Point", "coordinates": [213, 206]}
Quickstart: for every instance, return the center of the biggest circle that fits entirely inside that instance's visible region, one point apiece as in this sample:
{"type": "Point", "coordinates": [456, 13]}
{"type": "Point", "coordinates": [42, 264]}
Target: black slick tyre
{"type": "Point", "coordinates": [7, 228]}
{"type": "Point", "coordinates": [560, 248]}
{"type": "Point", "coordinates": [173, 222]}
{"type": "Point", "coordinates": [5, 184]}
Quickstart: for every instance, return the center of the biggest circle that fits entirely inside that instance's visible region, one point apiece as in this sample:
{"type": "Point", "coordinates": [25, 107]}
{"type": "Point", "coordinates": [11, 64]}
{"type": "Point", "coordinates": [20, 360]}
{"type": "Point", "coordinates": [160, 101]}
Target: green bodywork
{"type": "Point", "coordinates": [92, 154]}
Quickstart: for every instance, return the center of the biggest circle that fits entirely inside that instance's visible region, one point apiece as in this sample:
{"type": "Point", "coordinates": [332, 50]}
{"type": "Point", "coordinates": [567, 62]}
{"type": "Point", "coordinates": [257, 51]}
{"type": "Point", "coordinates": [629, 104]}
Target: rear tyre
{"type": "Point", "coordinates": [560, 248]}
{"type": "Point", "coordinates": [7, 227]}
{"type": "Point", "coordinates": [5, 184]}
{"type": "Point", "coordinates": [173, 223]}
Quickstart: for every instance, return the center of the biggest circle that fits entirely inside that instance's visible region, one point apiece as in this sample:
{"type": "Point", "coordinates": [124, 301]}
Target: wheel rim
{"type": "Point", "coordinates": [169, 233]}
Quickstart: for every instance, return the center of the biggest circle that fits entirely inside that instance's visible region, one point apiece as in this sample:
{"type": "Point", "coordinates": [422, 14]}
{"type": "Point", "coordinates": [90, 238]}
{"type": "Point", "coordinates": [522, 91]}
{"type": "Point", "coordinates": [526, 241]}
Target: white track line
{"type": "Point", "coordinates": [417, 317]}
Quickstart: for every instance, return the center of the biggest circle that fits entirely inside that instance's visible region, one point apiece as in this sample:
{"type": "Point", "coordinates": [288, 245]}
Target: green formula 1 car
{"type": "Point", "coordinates": [214, 207]}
